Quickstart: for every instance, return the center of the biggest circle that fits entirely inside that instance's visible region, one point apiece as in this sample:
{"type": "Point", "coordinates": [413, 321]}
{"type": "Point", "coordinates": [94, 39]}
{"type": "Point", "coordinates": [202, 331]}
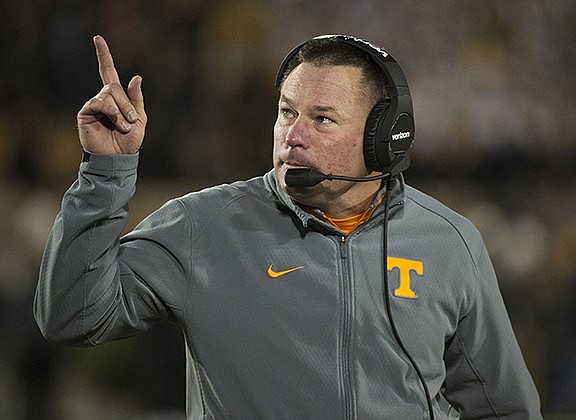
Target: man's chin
{"type": "Point", "coordinates": [308, 196]}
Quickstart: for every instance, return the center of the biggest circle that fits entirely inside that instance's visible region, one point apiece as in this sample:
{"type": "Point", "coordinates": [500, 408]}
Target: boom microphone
{"type": "Point", "coordinates": [308, 177]}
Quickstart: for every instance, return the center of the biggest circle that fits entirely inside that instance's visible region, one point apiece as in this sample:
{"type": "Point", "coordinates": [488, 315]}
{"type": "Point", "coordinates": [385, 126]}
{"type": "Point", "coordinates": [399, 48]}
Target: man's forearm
{"type": "Point", "coordinates": [79, 267]}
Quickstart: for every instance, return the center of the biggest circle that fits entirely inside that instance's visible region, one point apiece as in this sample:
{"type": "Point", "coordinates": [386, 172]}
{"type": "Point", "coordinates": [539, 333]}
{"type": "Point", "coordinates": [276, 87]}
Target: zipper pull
{"type": "Point", "coordinates": [343, 249]}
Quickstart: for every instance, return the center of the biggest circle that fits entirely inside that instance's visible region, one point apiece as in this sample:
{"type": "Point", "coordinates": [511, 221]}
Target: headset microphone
{"type": "Point", "coordinates": [308, 177]}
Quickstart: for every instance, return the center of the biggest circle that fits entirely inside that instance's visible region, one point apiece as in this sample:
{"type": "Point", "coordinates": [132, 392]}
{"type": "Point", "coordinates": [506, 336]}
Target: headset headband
{"type": "Point", "coordinates": [397, 83]}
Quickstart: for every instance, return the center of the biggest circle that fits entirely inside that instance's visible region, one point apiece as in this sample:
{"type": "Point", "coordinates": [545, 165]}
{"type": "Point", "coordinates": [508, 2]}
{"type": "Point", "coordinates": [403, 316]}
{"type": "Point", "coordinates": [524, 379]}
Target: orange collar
{"type": "Point", "coordinates": [348, 224]}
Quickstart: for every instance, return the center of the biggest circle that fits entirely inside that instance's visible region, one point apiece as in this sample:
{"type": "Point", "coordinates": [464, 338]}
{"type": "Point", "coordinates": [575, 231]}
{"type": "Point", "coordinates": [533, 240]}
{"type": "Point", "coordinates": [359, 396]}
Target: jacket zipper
{"type": "Point", "coordinates": [345, 363]}
{"type": "Point", "coordinates": [344, 358]}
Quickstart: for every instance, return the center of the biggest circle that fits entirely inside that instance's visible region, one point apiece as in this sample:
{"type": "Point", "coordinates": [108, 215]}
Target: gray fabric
{"type": "Point", "coordinates": [312, 343]}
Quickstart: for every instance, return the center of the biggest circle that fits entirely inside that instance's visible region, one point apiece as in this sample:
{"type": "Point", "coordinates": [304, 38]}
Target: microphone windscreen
{"type": "Point", "coordinates": [303, 177]}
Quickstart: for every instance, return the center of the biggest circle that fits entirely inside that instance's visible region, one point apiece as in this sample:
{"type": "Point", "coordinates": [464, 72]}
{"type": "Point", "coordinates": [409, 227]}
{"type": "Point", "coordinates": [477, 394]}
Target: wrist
{"type": "Point", "coordinates": [110, 162]}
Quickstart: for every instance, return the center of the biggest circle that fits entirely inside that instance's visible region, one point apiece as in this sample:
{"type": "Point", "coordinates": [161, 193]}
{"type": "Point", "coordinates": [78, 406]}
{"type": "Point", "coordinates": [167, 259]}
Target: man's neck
{"type": "Point", "coordinates": [352, 203]}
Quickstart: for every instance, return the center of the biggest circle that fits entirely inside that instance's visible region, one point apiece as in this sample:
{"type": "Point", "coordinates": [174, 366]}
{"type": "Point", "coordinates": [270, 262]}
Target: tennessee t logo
{"type": "Point", "coordinates": [404, 267]}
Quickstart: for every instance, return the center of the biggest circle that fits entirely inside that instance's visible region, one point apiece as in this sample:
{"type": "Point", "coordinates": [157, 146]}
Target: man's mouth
{"type": "Point", "coordinates": [294, 165]}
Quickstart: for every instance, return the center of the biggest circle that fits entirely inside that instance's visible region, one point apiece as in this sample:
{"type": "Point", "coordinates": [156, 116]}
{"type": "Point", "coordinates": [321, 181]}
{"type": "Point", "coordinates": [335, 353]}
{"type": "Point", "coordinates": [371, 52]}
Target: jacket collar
{"type": "Point", "coordinates": [398, 192]}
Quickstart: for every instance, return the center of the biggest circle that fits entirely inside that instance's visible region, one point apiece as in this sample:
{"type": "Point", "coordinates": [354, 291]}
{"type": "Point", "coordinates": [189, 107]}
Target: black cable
{"type": "Point", "coordinates": [387, 300]}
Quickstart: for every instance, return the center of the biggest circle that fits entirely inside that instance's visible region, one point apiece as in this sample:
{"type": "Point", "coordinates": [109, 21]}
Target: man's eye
{"type": "Point", "coordinates": [324, 120]}
{"type": "Point", "coordinates": [286, 112]}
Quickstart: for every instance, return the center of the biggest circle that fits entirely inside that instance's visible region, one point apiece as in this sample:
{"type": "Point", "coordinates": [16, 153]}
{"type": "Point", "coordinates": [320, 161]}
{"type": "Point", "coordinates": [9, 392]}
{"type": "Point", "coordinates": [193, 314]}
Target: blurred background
{"type": "Point", "coordinates": [494, 91]}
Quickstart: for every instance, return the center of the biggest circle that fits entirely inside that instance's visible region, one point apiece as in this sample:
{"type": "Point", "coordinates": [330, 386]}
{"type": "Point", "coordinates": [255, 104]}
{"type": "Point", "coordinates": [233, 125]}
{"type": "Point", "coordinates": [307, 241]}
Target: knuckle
{"type": "Point", "coordinates": [126, 106]}
{"type": "Point", "coordinates": [114, 85]}
{"type": "Point", "coordinates": [96, 100]}
{"type": "Point", "coordinates": [106, 89]}
{"type": "Point", "coordinates": [92, 106]}
{"type": "Point", "coordinates": [114, 117]}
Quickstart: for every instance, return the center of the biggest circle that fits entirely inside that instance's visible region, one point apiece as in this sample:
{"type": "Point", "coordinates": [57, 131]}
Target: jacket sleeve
{"type": "Point", "coordinates": [486, 376]}
{"type": "Point", "coordinates": [95, 287]}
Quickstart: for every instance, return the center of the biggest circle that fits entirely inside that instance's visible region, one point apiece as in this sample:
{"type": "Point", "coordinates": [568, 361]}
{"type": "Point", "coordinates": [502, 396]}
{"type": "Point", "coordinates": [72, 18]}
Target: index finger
{"type": "Point", "coordinates": [106, 68]}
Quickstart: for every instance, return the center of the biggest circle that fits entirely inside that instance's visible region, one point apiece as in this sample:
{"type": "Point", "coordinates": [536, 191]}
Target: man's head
{"type": "Point", "coordinates": [327, 90]}
{"type": "Point", "coordinates": [331, 51]}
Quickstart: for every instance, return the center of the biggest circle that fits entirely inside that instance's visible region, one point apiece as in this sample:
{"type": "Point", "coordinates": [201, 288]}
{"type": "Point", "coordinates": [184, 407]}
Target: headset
{"type": "Point", "coordinates": [388, 139]}
{"type": "Point", "coordinates": [389, 130]}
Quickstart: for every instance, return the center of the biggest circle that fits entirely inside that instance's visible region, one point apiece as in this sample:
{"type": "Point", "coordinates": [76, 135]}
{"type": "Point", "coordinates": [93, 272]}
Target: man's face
{"type": "Point", "coordinates": [320, 125]}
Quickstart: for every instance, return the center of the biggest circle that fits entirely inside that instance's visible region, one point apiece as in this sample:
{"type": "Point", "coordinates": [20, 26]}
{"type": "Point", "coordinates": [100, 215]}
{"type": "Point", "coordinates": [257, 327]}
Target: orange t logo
{"type": "Point", "coordinates": [404, 267]}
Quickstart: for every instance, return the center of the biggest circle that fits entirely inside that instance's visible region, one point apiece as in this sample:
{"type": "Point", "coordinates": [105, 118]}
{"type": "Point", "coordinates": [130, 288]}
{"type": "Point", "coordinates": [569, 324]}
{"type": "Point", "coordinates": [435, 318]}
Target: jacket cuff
{"type": "Point", "coordinates": [109, 162]}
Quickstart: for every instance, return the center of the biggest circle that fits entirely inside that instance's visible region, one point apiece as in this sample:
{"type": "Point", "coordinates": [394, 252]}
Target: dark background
{"type": "Point", "coordinates": [494, 92]}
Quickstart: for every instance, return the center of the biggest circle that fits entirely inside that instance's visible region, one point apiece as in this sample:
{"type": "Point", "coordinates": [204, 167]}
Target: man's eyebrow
{"type": "Point", "coordinates": [324, 108]}
{"type": "Point", "coordinates": [283, 98]}
{"type": "Point", "coordinates": [316, 108]}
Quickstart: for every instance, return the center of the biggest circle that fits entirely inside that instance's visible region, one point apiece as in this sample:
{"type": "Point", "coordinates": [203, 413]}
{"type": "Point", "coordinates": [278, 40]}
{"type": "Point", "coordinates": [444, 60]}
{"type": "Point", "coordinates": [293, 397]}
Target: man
{"type": "Point", "coordinates": [279, 286]}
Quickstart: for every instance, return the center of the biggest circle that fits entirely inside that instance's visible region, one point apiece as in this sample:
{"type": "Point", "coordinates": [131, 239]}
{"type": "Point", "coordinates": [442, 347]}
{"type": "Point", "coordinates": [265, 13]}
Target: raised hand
{"type": "Point", "coordinates": [113, 121]}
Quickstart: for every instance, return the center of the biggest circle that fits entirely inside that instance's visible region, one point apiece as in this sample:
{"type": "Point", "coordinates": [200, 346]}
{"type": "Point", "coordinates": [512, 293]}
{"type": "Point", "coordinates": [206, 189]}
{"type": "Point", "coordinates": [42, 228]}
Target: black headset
{"type": "Point", "coordinates": [389, 131]}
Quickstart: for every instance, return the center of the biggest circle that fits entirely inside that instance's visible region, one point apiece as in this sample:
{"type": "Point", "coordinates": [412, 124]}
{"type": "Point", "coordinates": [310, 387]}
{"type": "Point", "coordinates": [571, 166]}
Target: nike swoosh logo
{"type": "Point", "coordinates": [275, 274]}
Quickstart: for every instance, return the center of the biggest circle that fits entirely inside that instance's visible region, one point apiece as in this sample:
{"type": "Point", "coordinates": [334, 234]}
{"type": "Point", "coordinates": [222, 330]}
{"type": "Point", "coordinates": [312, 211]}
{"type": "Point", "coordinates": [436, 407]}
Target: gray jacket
{"type": "Point", "coordinates": [283, 315]}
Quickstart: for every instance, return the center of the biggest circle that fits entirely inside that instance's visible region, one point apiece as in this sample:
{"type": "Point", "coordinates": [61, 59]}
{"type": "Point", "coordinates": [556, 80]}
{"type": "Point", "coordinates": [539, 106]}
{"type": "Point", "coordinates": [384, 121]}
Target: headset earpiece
{"type": "Point", "coordinates": [389, 133]}
{"type": "Point", "coordinates": [372, 134]}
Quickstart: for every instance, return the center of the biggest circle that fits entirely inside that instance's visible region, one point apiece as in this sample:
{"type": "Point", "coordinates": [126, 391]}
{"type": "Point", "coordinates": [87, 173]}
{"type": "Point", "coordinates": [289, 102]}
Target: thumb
{"type": "Point", "coordinates": [135, 95]}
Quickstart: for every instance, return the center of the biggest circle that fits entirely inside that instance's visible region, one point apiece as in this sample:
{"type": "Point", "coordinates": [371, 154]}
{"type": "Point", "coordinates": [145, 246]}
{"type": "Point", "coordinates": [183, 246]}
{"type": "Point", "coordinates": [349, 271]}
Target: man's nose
{"type": "Point", "coordinates": [298, 133]}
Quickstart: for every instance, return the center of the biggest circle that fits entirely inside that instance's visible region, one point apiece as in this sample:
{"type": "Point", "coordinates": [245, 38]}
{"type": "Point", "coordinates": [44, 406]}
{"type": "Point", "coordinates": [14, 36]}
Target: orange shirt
{"type": "Point", "coordinates": [348, 224]}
